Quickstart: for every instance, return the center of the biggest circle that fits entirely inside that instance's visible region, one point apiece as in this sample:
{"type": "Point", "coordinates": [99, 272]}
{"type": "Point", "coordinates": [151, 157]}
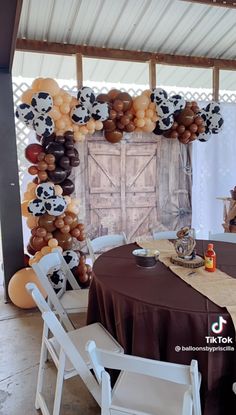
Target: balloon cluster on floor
{"type": "Point", "coordinates": [49, 109]}
{"type": "Point", "coordinates": [50, 211]}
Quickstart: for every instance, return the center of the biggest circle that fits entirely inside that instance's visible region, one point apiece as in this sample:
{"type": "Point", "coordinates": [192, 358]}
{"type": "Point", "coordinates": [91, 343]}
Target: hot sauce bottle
{"type": "Point", "coordinates": [210, 259]}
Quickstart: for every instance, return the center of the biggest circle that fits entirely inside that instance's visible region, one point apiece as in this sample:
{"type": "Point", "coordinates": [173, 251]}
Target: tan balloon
{"type": "Point", "coordinates": [141, 102]}
{"type": "Point", "coordinates": [36, 84]}
{"type": "Point", "coordinates": [58, 100]}
{"type": "Point", "coordinates": [50, 86]}
{"type": "Point", "coordinates": [26, 97]}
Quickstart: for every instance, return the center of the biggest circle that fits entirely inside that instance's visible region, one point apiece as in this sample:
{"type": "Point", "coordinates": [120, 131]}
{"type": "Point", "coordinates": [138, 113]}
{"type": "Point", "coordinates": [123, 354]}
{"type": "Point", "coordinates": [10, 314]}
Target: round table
{"type": "Point", "coordinates": [151, 311]}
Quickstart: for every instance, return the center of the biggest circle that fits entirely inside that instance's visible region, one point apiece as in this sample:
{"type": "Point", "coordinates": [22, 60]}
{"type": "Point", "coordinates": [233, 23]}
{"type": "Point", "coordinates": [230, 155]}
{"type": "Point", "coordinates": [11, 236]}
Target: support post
{"type": "Point", "coordinates": [215, 83]}
{"type": "Point", "coordinates": [152, 74]}
{"type": "Point", "coordinates": [79, 69]}
{"type": "Point", "coordinates": [10, 208]}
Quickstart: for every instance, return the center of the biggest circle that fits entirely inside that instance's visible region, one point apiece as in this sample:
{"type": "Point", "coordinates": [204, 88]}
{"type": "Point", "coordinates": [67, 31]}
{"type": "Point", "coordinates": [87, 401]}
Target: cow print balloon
{"type": "Point", "coordinates": [45, 190]}
{"type": "Point", "coordinates": [165, 108]}
{"type": "Point", "coordinates": [43, 125]}
{"type": "Point", "coordinates": [178, 102]}
{"type": "Point", "coordinates": [80, 115]}
{"type": "Point", "coordinates": [213, 108]}
{"type": "Point", "coordinates": [55, 205]}
{"type": "Point", "coordinates": [25, 113]}
{"type": "Point", "coordinates": [42, 102]}
{"type": "Point", "coordinates": [71, 258]}
{"type": "Point", "coordinates": [86, 96]}
{"type": "Point", "coordinates": [158, 95]}
{"type": "Point", "coordinates": [100, 111]}
{"type": "Point", "coordinates": [166, 123]}
{"type": "Point", "coordinates": [57, 279]}
{"type": "Point", "coordinates": [215, 123]}
{"type": "Point", "coordinates": [36, 207]}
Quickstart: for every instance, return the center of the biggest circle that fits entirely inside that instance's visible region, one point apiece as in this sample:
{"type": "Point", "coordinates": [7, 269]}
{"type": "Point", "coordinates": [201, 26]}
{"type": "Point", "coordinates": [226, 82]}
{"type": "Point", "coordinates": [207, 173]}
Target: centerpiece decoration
{"type": "Point", "coordinates": [185, 249]}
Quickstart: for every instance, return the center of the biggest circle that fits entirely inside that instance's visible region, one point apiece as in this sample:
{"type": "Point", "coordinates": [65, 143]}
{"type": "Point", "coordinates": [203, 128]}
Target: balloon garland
{"type": "Point", "coordinates": [60, 120]}
{"type": "Point", "coordinates": [49, 110]}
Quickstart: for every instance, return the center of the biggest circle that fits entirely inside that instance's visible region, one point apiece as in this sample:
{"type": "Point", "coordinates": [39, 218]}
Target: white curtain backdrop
{"type": "Point", "coordinates": [214, 174]}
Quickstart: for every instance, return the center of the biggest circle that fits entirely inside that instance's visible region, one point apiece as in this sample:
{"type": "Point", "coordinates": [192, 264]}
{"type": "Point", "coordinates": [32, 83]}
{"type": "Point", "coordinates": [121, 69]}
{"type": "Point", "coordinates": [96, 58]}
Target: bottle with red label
{"type": "Point", "coordinates": [210, 259]}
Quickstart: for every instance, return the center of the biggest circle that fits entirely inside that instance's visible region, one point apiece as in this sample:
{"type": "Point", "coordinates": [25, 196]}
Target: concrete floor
{"type": "Point", "coordinates": [19, 358]}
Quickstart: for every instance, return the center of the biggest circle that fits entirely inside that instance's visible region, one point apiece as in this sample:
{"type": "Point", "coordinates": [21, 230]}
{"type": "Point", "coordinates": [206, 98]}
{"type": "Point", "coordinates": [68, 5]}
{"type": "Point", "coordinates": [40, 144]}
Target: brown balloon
{"type": "Point", "coordinates": [112, 114]}
{"type": "Point", "coordinates": [75, 233]}
{"type": "Point", "coordinates": [174, 134]}
{"type": "Point", "coordinates": [181, 129]}
{"type": "Point", "coordinates": [112, 94]}
{"type": "Point", "coordinates": [42, 175]}
{"type": "Point", "coordinates": [47, 221]}
{"type": "Point", "coordinates": [127, 100]}
{"type": "Point", "coordinates": [193, 128]}
{"type": "Point", "coordinates": [41, 165]}
{"type": "Point", "coordinates": [198, 120]}
{"type": "Point", "coordinates": [48, 236]}
{"type": "Point", "coordinates": [113, 136]}
{"type": "Point", "coordinates": [30, 250]}
{"type": "Point", "coordinates": [37, 243]}
{"type": "Point", "coordinates": [125, 120]}
{"type": "Point", "coordinates": [201, 129]}
{"type": "Point", "coordinates": [120, 126]}
{"type": "Point", "coordinates": [64, 239]}
{"type": "Point", "coordinates": [119, 114]}
{"type": "Point", "coordinates": [74, 220]}
{"type": "Point", "coordinates": [102, 98]}
{"type": "Point", "coordinates": [59, 223]}
{"type": "Point", "coordinates": [41, 232]}
{"type": "Point", "coordinates": [129, 114]}
{"type": "Point", "coordinates": [68, 219]}
{"type": "Point", "coordinates": [118, 105]}
{"type": "Point", "coordinates": [65, 229]}
{"type": "Point", "coordinates": [109, 125]}
{"type": "Point", "coordinates": [81, 236]}
{"type": "Point", "coordinates": [130, 127]}
{"type": "Point", "coordinates": [186, 117]}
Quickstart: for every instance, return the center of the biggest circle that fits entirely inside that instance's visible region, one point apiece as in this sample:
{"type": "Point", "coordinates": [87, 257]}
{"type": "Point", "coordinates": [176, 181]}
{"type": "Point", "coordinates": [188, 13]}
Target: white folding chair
{"type": "Point", "coordinates": [146, 386]}
{"type": "Point", "coordinates": [64, 302]}
{"type": "Point", "coordinates": [224, 237]}
{"type": "Point", "coordinates": [97, 245]}
{"type": "Point", "coordinates": [68, 353]}
{"type": "Point", "coordinates": [164, 235]}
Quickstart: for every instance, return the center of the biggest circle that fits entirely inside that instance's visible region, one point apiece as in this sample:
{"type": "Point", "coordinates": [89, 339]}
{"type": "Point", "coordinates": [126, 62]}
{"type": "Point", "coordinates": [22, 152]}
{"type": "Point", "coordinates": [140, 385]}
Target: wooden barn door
{"type": "Point", "coordinates": [129, 186]}
{"type": "Point", "coordinates": [122, 186]}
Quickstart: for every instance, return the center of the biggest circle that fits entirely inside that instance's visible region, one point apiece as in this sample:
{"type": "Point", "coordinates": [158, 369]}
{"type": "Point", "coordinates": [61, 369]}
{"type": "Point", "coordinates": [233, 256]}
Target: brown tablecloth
{"type": "Point", "coordinates": [151, 311]}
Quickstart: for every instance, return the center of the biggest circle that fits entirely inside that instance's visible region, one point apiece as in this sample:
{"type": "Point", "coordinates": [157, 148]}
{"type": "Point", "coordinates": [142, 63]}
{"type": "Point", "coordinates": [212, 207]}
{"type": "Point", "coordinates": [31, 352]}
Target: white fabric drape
{"type": "Point", "coordinates": [214, 174]}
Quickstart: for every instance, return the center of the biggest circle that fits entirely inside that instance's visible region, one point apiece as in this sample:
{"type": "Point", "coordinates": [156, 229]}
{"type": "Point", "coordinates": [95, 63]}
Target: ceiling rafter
{"type": "Point", "coordinates": [220, 3]}
{"type": "Point", "coordinates": [123, 55]}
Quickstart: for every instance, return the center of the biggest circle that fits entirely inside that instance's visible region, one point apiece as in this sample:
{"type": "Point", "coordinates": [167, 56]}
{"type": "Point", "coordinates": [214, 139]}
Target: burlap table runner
{"type": "Point", "coordinates": [218, 286]}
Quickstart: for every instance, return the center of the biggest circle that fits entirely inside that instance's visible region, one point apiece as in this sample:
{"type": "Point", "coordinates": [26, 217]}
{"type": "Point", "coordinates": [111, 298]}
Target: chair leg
{"type": "Point", "coordinates": [59, 384]}
{"type": "Point", "coordinates": [40, 372]}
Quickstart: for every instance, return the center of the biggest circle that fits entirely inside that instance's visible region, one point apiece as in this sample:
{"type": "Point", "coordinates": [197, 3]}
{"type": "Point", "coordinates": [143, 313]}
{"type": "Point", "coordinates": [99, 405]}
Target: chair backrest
{"type": "Point", "coordinates": [42, 268]}
{"type": "Point", "coordinates": [100, 243]}
{"type": "Point", "coordinates": [181, 374]}
{"type": "Point", "coordinates": [66, 345]}
{"type": "Point", "coordinates": [164, 235]}
{"type": "Point", "coordinates": [224, 237]}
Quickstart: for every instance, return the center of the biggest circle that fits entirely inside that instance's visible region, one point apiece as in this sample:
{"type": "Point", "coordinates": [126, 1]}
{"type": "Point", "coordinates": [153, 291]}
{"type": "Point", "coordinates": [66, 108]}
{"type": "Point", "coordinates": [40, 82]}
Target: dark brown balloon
{"type": "Point", "coordinates": [69, 135]}
{"type": "Point", "coordinates": [57, 176]}
{"type": "Point", "coordinates": [119, 125]}
{"type": "Point", "coordinates": [109, 125]}
{"type": "Point", "coordinates": [119, 114]}
{"type": "Point", "coordinates": [186, 117]}
{"type": "Point", "coordinates": [113, 136]}
{"type": "Point", "coordinates": [64, 239]}
{"type": "Point", "coordinates": [68, 187]}
{"type": "Point", "coordinates": [64, 162]}
{"type": "Point", "coordinates": [56, 149]}
{"type": "Point", "coordinates": [126, 99]}
{"type": "Point", "coordinates": [60, 139]}
{"type": "Point", "coordinates": [47, 221]}
{"type": "Point", "coordinates": [30, 250]}
{"type": "Point", "coordinates": [74, 161]}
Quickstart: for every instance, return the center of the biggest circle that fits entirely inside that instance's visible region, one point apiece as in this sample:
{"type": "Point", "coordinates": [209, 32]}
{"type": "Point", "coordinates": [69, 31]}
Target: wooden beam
{"type": "Point", "coordinates": [79, 70]}
{"type": "Point", "coordinates": [9, 21]}
{"type": "Point", "coordinates": [215, 83]}
{"type": "Point", "coordinates": [10, 209]}
{"type": "Point", "coordinates": [122, 55]}
{"type": "Point", "coordinates": [231, 4]}
{"type": "Point", "coordinates": [152, 74]}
